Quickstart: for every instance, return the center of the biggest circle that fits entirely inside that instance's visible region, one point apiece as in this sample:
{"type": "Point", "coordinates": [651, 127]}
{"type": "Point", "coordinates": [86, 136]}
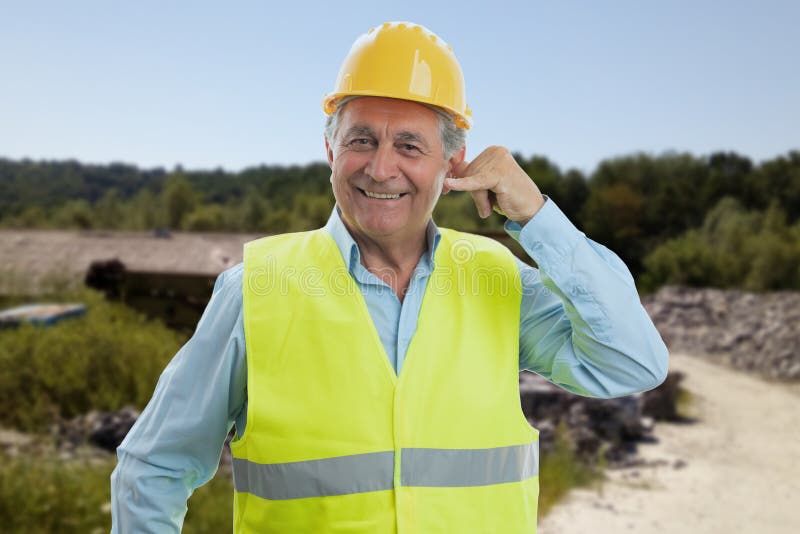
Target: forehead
{"type": "Point", "coordinates": [390, 114]}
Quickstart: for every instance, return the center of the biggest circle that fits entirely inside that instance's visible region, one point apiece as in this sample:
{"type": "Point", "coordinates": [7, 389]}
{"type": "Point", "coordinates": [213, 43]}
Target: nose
{"type": "Point", "coordinates": [382, 166]}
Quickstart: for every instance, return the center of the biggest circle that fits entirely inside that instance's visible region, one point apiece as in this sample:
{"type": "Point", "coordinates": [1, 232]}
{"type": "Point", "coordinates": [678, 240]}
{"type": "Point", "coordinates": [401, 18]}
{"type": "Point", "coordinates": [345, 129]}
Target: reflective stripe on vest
{"type": "Point", "coordinates": [359, 473]}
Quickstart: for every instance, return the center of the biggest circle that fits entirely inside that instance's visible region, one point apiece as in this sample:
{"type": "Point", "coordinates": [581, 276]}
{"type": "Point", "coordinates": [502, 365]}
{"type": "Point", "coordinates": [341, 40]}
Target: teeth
{"type": "Point", "coordinates": [378, 195]}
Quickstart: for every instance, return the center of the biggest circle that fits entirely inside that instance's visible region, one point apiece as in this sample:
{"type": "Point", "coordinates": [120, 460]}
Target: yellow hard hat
{"type": "Point", "coordinates": [403, 60]}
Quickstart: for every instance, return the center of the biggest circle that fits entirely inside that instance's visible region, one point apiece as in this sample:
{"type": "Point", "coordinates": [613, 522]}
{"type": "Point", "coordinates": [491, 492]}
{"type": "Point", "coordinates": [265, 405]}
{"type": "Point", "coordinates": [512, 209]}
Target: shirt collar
{"type": "Point", "coordinates": [349, 248]}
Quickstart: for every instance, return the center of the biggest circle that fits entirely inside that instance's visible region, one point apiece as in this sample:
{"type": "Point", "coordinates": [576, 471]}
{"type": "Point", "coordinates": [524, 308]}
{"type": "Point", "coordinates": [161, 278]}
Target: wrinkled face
{"type": "Point", "coordinates": [387, 166]}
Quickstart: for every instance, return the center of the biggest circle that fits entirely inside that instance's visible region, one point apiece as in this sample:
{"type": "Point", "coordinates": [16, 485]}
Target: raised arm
{"type": "Point", "coordinates": [582, 325]}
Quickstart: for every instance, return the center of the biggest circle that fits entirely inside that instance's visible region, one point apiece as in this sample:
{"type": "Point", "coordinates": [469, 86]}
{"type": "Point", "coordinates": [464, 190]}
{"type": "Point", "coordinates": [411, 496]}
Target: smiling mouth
{"type": "Point", "coordinates": [381, 196]}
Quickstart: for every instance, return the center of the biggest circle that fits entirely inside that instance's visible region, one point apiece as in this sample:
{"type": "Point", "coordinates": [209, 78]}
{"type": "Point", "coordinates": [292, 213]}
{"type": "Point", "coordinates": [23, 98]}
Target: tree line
{"type": "Point", "coordinates": [719, 220]}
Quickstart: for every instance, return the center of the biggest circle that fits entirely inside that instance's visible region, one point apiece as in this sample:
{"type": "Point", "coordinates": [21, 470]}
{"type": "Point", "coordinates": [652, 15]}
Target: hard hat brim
{"type": "Point", "coordinates": [462, 121]}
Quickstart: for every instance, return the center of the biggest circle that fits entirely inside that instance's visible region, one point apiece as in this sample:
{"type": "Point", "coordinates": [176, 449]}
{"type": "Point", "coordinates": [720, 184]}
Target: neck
{"type": "Point", "coordinates": [392, 259]}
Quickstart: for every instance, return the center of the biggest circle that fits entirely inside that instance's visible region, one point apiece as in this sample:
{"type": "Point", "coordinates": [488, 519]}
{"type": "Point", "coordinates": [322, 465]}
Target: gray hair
{"type": "Point", "coordinates": [453, 137]}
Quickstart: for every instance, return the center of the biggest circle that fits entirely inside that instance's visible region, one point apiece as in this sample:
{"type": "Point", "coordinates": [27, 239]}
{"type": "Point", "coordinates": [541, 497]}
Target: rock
{"type": "Point", "coordinates": [101, 432]}
{"type": "Point", "coordinates": [104, 430]}
{"type": "Point", "coordinates": [107, 276]}
{"type": "Point", "coordinates": [12, 443]}
{"type": "Point", "coordinates": [547, 434]}
{"type": "Point", "coordinates": [648, 423]}
{"type": "Point", "coordinates": [754, 332]}
{"type": "Point", "coordinates": [661, 402]}
{"type": "Point", "coordinates": [110, 428]}
{"type": "Point", "coordinates": [610, 427]}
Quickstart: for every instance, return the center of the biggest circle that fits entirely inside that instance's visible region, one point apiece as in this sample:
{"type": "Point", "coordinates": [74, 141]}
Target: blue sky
{"type": "Point", "coordinates": [235, 84]}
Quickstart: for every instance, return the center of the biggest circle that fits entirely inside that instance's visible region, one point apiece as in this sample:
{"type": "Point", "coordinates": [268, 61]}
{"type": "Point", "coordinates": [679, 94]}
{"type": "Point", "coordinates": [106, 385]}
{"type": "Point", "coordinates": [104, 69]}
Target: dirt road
{"type": "Point", "coordinates": [735, 470]}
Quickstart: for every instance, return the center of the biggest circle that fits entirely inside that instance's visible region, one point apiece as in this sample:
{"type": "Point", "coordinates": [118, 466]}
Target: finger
{"type": "Point", "coordinates": [468, 183]}
{"type": "Point", "coordinates": [495, 204]}
{"type": "Point", "coordinates": [460, 169]}
{"type": "Point", "coordinates": [482, 202]}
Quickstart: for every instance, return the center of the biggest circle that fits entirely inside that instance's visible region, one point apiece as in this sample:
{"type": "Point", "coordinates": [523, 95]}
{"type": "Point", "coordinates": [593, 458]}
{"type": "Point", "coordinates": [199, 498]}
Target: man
{"type": "Point", "coordinates": [370, 367]}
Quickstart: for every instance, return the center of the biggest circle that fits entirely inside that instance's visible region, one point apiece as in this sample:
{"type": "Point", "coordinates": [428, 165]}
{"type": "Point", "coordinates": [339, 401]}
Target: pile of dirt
{"type": "Point", "coordinates": [754, 332]}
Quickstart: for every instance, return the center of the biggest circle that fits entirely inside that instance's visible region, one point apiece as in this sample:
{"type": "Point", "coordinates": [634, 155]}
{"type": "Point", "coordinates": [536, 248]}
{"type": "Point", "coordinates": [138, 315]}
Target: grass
{"type": "Point", "coordinates": [43, 495]}
{"type": "Point", "coordinates": [685, 404]}
{"type": "Point", "coordinates": [211, 508]}
{"type": "Point", "coordinates": [560, 471]}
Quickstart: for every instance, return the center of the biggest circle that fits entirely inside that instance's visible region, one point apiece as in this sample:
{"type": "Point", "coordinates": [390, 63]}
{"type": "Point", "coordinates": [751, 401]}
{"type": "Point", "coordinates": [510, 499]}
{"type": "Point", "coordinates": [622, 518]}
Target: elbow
{"type": "Point", "coordinates": [652, 383]}
{"type": "Point", "coordinates": [121, 481]}
{"type": "Point", "coordinates": [661, 359]}
{"type": "Point", "coordinates": [662, 374]}
{"type": "Point", "coordinates": [655, 374]}
{"type": "Point", "coordinates": [649, 376]}
{"type": "Point", "coordinates": [653, 363]}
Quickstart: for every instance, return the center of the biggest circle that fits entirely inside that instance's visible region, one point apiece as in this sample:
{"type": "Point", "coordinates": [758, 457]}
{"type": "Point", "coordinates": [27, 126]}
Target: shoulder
{"type": "Point", "coordinates": [224, 308]}
{"type": "Point", "coordinates": [229, 283]}
{"type": "Point", "coordinates": [231, 274]}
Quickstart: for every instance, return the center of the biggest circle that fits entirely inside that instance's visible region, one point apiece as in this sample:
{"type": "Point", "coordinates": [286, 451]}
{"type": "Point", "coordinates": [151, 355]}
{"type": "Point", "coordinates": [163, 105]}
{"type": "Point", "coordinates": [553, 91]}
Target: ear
{"type": "Point", "coordinates": [454, 161]}
{"type": "Point", "coordinates": [329, 151]}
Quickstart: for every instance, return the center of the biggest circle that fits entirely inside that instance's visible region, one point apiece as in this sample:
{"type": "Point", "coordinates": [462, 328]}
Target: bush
{"type": "Point", "coordinates": [561, 470]}
{"type": "Point", "coordinates": [47, 495]}
{"type": "Point", "coordinates": [734, 248]}
{"type": "Point", "coordinates": [104, 360]}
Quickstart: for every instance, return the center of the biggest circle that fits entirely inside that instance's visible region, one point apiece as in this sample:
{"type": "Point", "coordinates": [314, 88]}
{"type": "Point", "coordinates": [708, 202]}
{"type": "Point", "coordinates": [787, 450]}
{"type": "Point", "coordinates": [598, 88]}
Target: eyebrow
{"type": "Point", "coordinates": [403, 136]}
{"type": "Point", "coordinates": [358, 130]}
{"type": "Point", "coordinates": [411, 137]}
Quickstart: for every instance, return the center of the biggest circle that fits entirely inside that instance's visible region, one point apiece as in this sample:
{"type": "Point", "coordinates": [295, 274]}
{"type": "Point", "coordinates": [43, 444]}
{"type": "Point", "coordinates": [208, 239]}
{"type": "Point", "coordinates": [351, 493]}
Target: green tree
{"type": "Point", "coordinates": [144, 211]}
{"type": "Point", "coordinates": [614, 216]}
{"type": "Point", "coordinates": [278, 220]}
{"type": "Point", "coordinates": [74, 214]}
{"type": "Point", "coordinates": [254, 211]}
{"type": "Point", "coordinates": [109, 211]}
{"type": "Point", "coordinates": [734, 247]}
{"type": "Point", "coordinates": [179, 199]}
{"type": "Point", "coordinates": [205, 218]}
{"type": "Point", "coordinates": [311, 211]}
{"type": "Point", "coordinates": [778, 179]}
{"type": "Point", "coordinates": [775, 252]}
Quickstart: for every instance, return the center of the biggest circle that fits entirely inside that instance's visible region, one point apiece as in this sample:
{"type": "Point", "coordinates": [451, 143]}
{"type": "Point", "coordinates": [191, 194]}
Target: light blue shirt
{"type": "Point", "coordinates": [582, 327]}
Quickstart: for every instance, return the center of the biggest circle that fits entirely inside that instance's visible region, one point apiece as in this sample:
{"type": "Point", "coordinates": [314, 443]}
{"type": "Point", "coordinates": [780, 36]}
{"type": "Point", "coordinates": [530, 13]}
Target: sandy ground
{"type": "Point", "coordinates": [735, 470]}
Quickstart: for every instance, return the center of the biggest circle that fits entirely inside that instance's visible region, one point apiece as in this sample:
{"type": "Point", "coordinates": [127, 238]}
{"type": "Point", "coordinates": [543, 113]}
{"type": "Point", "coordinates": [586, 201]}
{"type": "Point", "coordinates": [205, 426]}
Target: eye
{"type": "Point", "coordinates": [362, 141]}
{"type": "Point", "coordinates": [410, 148]}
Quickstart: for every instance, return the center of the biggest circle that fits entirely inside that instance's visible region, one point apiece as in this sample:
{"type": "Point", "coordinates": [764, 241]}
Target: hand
{"type": "Point", "coordinates": [496, 182]}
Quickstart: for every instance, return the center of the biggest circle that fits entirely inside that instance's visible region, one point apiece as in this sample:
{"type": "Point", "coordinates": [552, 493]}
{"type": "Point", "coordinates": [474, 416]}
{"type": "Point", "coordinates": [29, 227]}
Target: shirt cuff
{"type": "Point", "coordinates": [549, 237]}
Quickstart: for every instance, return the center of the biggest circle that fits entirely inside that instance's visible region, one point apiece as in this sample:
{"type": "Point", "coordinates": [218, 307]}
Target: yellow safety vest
{"type": "Point", "coordinates": [337, 442]}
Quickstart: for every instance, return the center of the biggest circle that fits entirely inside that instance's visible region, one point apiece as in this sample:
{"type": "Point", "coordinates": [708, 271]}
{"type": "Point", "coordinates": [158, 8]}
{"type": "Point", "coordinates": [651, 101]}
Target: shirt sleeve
{"type": "Point", "coordinates": [582, 324]}
{"type": "Point", "coordinates": [175, 445]}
